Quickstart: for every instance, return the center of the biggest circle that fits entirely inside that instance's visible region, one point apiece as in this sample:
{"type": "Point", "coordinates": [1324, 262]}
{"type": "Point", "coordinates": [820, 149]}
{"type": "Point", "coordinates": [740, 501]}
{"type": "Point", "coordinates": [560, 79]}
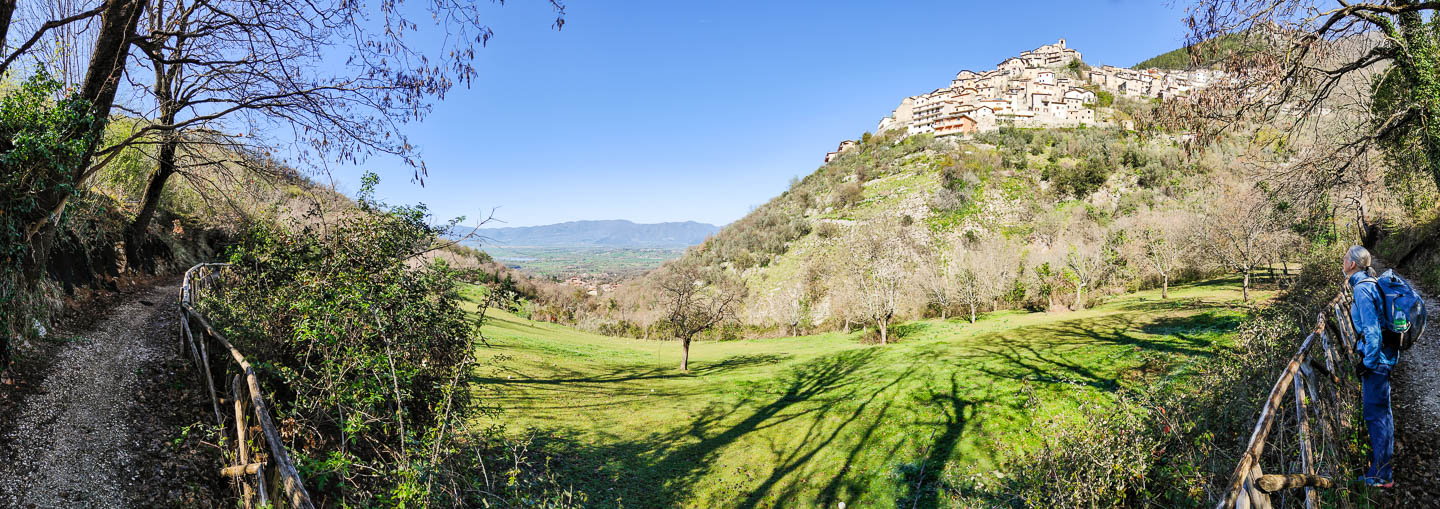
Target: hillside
{"type": "Point", "coordinates": [1210, 52]}
{"type": "Point", "coordinates": [1027, 198]}
{"type": "Point", "coordinates": [617, 233]}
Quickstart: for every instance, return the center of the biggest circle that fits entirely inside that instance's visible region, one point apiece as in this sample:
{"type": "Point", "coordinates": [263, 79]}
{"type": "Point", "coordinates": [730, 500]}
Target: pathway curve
{"type": "Point", "coordinates": [90, 435]}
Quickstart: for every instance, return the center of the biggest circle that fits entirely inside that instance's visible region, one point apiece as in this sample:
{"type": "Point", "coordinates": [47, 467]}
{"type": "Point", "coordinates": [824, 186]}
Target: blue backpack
{"type": "Point", "coordinates": [1402, 310]}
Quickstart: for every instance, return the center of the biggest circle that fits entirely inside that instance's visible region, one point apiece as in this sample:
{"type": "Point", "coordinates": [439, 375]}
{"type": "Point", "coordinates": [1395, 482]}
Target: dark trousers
{"type": "Point", "coordinates": [1380, 424]}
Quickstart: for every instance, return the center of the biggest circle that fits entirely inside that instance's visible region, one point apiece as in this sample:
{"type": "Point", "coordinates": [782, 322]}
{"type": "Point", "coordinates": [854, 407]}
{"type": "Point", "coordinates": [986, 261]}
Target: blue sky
{"type": "Point", "coordinates": [700, 110]}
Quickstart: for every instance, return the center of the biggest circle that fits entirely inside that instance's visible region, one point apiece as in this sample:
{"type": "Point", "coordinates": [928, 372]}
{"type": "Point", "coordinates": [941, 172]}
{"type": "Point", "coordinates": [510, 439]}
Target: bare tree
{"type": "Point", "coordinates": [938, 276]}
{"type": "Point", "coordinates": [212, 59]}
{"type": "Point", "coordinates": [1342, 80]}
{"type": "Point", "coordinates": [982, 273]}
{"type": "Point", "coordinates": [788, 306]}
{"type": "Point", "coordinates": [1243, 228]}
{"type": "Point", "coordinates": [205, 75]}
{"type": "Point", "coordinates": [969, 283]}
{"type": "Point", "coordinates": [64, 47]}
{"type": "Point", "coordinates": [877, 266]}
{"type": "Point", "coordinates": [696, 299]}
{"type": "Point", "coordinates": [1084, 268]}
{"type": "Point", "coordinates": [993, 260]}
{"type": "Point", "coordinates": [794, 308]}
{"type": "Point", "coordinates": [1163, 245]}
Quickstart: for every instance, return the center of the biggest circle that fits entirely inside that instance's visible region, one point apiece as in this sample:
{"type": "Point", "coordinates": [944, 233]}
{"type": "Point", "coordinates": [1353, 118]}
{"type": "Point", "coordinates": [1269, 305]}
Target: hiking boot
{"type": "Point", "coordinates": [1376, 483]}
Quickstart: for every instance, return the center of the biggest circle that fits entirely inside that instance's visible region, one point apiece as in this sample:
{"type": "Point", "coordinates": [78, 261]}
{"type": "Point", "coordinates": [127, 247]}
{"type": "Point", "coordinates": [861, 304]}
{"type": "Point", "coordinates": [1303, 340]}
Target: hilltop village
{"type": "Point", "coordinates": [1049, 86]}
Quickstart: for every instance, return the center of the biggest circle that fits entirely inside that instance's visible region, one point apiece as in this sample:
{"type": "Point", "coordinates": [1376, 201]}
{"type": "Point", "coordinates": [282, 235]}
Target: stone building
{"type": "Point", "coordinates": [1038, 88]}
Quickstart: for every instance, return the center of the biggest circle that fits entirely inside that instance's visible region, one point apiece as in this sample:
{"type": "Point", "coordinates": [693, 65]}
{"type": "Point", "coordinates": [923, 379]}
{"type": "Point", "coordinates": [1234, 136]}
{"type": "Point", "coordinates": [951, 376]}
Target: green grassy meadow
{"type": "Point", "coordinates": [816, 420]}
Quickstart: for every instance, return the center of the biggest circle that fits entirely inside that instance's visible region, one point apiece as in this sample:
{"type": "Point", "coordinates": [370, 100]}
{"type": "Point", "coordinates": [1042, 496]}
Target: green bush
{"type": "Point", "coordinates": [1080, 180]}
{"type": "Point", "coordinates": [42, 144]}
{"type": "Point", "coordinates": [365, 346]}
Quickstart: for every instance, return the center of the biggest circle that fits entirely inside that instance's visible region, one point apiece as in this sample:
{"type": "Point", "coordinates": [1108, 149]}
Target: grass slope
{"type": "Point", "coordinates": [815, 420]}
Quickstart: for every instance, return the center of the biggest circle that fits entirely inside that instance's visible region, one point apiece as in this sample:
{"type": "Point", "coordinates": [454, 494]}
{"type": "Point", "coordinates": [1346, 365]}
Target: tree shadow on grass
{"type": "Point", "coordinates": [1024, 362]}
{"type": "Point", "coordinates": [907, 329]}
{"type": "Point", "coordinates": [823, 383]}
{"type": "Point", "coordinates": [620, 381]}
{"type": "Point", "coordinates": [662, 468]}
{"type": "Point", "coordinates": [1192, 328]}
{"type": "Point", "coordinates": [923, 481]}
{"type": "Point", "coordinates": [629, 373]}
{"type": "Point", "coordinates": [832, 411]}
{"type": "Point", "coordinates": [1063, 352]}
{"type": "Point", "coordinates": [816, 439]}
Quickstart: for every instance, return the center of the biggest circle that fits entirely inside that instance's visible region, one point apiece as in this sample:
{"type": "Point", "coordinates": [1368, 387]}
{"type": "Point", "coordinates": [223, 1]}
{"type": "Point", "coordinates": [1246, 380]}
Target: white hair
{"type": "Point", "coordinates": [1360, 257]}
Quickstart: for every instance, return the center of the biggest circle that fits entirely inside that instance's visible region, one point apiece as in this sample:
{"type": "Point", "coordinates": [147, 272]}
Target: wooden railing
{"type": "Point", "coordinates": [257, 459]}
{"type": "Point", "coordinates": [1319, 373]}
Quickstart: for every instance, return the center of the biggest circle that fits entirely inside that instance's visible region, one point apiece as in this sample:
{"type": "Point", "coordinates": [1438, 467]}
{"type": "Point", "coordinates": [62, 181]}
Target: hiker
{"type": "Point", "coordinates": [1377, 360]}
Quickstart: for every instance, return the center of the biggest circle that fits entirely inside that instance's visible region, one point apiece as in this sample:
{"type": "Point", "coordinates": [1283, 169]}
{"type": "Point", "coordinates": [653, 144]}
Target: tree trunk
{"type": "Point", "coordinates": [884, 330]}
{"type": "Point", "coordinates": [1079, 297]}
{"type": "Point", "coordinates": [165, 78]}
{"type": "Point", "coordinates": [1245, 287]}
{"type": "Point", "coordinates": [1164, 286]}
{"type": "Point", "coordinates": [944, 312]}
{"type": "Point", "coordinates": [165, 166]}
{"type": "Point", "coordinates": [972, 312]}
{"type": "Point", "coordinates": [107, 64]}
{"type": "Point", "coordinates": [685, 354]}
{"type": "Point", "coordinates": [7, 11]}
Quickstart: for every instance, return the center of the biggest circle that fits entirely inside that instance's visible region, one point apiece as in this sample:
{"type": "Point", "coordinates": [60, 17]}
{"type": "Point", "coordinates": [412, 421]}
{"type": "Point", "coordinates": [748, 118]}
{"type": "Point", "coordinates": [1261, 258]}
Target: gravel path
{"type": "Point", "coordinates": [1415, 400]}
{"type": "Point", "coordinates": [75, 443]}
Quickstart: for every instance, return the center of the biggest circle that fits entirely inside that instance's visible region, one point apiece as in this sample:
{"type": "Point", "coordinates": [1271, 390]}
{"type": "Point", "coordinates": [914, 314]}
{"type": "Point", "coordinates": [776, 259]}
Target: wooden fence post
{"type": "Point", "coordinates": [210, 380]}
{"type": "Point", "coordinates": [1258, 499]}
{"type": "Point", "coordinates": [1307, 465]}
{"type": "Point", "coordinates": [235, 391]}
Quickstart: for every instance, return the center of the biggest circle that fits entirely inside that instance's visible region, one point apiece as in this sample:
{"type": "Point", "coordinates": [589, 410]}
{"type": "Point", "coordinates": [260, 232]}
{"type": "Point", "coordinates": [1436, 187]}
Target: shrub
{"type": "Point", "coordinates": [1079, 180]}
{"type": "Point", "coordinates": [1103, 98]}
{"type": "Point", "coordinates": [1099, 459]}
{"type": "Point", "coordinates": [848, 194]}
{"type": "Point", "coordinates": [945, 199]}
{"type": "Point", "coordinates": [828, 230]}
{"type": "Point", "coordinates": [366, 347]}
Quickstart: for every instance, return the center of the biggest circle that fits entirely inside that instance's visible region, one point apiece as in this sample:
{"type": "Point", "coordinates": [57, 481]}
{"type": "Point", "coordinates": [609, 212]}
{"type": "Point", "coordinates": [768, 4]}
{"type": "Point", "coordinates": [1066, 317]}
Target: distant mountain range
{"type": "Point", "coordinates": [616, 233]}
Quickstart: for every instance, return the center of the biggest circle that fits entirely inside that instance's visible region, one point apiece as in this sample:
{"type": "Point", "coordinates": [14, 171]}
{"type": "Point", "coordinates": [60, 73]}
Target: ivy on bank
{"type": "Point", "coordinates": [43, 141]}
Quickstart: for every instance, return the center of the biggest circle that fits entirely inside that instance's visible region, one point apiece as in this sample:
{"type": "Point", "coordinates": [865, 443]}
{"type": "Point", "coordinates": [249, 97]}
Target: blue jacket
{"type": "Point", "coordinates": [1365, 313]}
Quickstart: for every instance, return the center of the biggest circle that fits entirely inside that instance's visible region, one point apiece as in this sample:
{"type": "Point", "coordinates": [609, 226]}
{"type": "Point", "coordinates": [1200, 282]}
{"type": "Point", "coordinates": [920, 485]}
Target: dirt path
{"type": "Point", "coordinates": [1415, 400]}
{"type": "Point", "coordinates": [103, 427]}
